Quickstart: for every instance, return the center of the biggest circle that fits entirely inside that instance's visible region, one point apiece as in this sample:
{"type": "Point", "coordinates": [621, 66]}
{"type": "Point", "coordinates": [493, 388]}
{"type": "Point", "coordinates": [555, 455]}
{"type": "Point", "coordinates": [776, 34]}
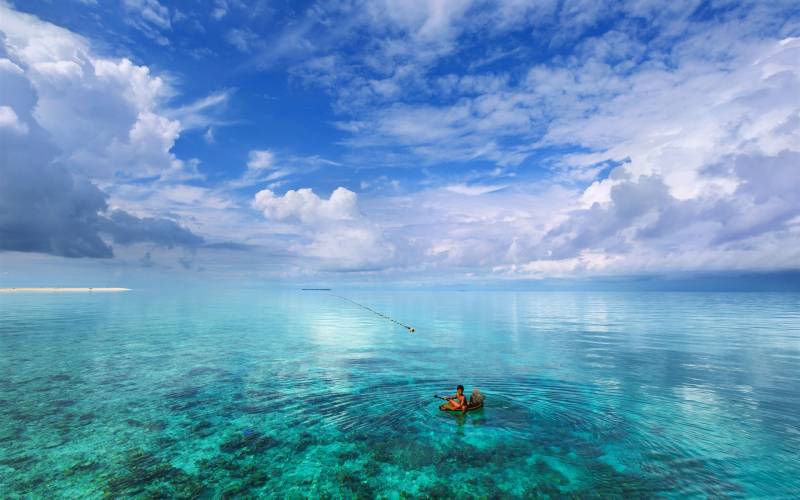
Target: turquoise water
{"type": "Point", "coordinates": [301, 394]}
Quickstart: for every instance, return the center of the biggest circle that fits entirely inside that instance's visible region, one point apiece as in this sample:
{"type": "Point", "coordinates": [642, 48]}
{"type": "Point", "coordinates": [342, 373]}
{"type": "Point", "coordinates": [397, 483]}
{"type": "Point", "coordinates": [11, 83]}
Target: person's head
{"type": "Point", "coordinates": [460, 389]}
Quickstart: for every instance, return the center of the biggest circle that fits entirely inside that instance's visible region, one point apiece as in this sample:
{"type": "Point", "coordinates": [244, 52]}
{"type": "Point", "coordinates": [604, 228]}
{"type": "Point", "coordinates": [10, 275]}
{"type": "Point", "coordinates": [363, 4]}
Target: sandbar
{"type": "Point", "coordinates": [61, 290]}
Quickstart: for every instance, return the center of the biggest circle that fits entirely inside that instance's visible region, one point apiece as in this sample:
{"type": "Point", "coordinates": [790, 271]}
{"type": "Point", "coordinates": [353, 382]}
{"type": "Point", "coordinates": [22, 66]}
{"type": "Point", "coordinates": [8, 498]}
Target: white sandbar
{"type": "Point", "coordinates": [60, 290]}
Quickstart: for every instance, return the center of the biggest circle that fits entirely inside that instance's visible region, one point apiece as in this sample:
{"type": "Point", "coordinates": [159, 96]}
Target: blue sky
{"type": "Point", "coordinates": [397, 141]}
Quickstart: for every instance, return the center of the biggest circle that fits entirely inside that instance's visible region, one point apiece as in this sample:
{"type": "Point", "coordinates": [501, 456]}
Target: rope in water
{"type": "Point", "coordinates": [409, 328]}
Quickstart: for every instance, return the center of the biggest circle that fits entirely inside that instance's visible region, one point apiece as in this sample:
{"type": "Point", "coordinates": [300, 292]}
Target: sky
{"type": "Point", "coordinates": [388, 141]}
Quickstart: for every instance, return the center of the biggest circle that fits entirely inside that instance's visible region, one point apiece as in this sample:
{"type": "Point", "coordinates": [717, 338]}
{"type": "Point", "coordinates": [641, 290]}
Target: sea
{"type": "Point", "coordinates": [247, 393]}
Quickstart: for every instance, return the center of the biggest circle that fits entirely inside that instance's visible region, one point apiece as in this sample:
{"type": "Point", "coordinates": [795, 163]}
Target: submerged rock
{"type": "Point", "coordinates": [204, 428]}
{"type": "Point", "coordinates": [150, 477]}
{"type": "Point", "coordinates": [253, 442]}
{"type": "Point", "coordinates": [18, 462]}
{"type": "Point", "coordinates": [306, 439]}
{"type": "Point", "coordinates": [83, 466]}
{"type": "Point", "coordinates": [183, 393]}
{"type": "Point", "coordinates": [355, 484]}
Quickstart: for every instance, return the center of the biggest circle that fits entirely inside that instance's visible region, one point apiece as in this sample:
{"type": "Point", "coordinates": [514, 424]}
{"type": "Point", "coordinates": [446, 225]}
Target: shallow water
{"type": "Point", "coordinates": [301, 394]}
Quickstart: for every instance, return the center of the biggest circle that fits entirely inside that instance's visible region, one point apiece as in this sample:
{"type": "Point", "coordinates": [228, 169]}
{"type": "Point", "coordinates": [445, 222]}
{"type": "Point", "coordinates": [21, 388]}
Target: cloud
{"type": "Point", "coordinates": [266, 166]}
{"type": "Point", "coordinates": [555, 138]}
{"type": "Point", "coordinates": [220, 9]}
{"type": "Point", "coordinates": [126, 229]}
{"type": "Point", "coordinates": [48, 204]}
{"type": "Point", "coordinates": [147, 260]}
{"type": "Point", "coordinates": [209, 136]}
{"type": "Point", "coordinates": [45, 209]}
{"type": "Point", "coordinates": [659, 131]}
{"type": "Point", "coordinates": [260, 159]}
{"type": "Point", "coordinates": [243, 40]}
{"type": "Point", "coordinates": [700, 185]}
{"type": "Point", "coordinates": [229, 245]}
{"type": "Point", "coordinates": [9, 120]}
{"type": "Point", "coordinates": [474, 190]}
{"type": "Point", "coordinates": [643, 221]}
{"type": "Point", "coordinates": [308, 208]}
{"type": "Point", "coordinates": [150, 17]}
{"type": "Point", "coordinates": [397, 96]}
{"type": "Point", "coordinates": [108, 117]}
{"type": "Point", "coordinates": [334, 231]}
{"type": "Point", "coordinates": [203, 112]}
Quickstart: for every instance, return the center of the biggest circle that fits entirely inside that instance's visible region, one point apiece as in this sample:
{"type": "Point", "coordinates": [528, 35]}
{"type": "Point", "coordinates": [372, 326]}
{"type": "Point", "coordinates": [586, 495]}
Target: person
{"type": "Point", "coordinates": [457, 402]}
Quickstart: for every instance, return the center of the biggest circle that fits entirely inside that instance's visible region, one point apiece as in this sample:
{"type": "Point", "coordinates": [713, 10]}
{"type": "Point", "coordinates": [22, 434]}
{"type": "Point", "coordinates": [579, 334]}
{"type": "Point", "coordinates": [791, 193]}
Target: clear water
{"type": "Point", "coordinates": [299, 394]}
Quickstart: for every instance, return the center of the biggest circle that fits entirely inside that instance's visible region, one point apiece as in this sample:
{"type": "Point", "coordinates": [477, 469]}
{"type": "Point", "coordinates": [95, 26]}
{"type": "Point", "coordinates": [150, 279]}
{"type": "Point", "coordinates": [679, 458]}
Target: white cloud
{"type": "Point", "coordinates": [243, 40]}
{"type": "Point", "coordinates": [10, 121]}
{"type": "Point", "coordinates": [202, 112]}
{"type": "Point", "coordinates": [259, 159]}
{"type": "Point", "coordinates": [682, 148]}
{"type": "Point", "coordinates": [265, 166]}
{"type": "Point", "coordinates": [150, 17]}
{"type": "Point", "coordinates": [686, 110]}
{"type": "Point", "coordinates": [208, 136]}
{"type": "Point", "coordinates": [674, 123]}
{"type": "Point", "coordinates": [706, 155]}
{"type": "Point", "coordinates": [90, 123]}
{"type": "Point", "coordinates": [334, 231]}
{"type": "Point", "coordinates": [220, 9]}
{"type": "Point", "coordinates": [474, 190]}
{"type": "Point", "coordinates": [108, 117]}
{"type": "Point", "coordinates": [308, 208]}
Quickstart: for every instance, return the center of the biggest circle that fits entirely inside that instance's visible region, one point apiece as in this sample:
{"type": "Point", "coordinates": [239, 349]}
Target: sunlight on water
{"type": "Point", "coordinates": [303, 394]}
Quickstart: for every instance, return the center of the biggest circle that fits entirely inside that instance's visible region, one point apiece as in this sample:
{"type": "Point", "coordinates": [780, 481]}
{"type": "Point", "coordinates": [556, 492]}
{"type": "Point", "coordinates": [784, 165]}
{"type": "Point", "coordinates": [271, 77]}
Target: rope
{"type": "Point", "coordinates": [409, 328]}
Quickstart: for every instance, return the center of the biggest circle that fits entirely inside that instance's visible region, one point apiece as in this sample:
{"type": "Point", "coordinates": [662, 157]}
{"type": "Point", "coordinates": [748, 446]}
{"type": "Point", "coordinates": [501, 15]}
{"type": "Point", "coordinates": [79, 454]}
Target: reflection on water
{"type": "Point", "coordinates": [306, 395]}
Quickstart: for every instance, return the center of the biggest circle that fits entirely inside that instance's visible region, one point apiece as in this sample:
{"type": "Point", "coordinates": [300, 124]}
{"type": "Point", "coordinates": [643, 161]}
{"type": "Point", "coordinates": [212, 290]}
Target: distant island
{"type": "Point", "coordinates": [65, 290]}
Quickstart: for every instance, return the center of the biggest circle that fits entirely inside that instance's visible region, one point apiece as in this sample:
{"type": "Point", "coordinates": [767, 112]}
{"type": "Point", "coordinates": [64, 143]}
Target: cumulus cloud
{"type": "Point", "coordinates": [10, 121]}
{"type": "Point", "coordinates": [645, 227]}
{"type": "Point", "coordinates": [671, 148]}
{"type": "Point", "coordinates": [686, 137]}
{"type": "Point", "coordinates": [48, 203]}
{"type": "Point", "coordinates": [333, 231]}
{"type": "Point", "coordinates": [704, 184]}
{"type": "Point", "coordinates": [307, 208]}
{"type": "Point", "coordinates": [108, 117]}
{"type": "Point", "coordinates": [45, 209]}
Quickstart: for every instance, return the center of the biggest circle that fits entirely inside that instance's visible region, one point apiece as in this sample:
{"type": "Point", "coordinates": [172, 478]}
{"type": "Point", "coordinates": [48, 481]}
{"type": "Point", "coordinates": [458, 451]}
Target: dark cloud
{"type": "Point", "coordinates": [127, 229]}
{"type": "Point", "coordinates": [147, 260]}
{"type": "Point", "coordinates": [766, 177]}
{"type": "Point", "coordinates": [229, 245]}
{"type": "Point", "coordinates": [45, 208]}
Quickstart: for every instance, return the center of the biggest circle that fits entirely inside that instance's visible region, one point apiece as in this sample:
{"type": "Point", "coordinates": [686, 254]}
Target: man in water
{"type": "Point", "coordinates": [457, 402]}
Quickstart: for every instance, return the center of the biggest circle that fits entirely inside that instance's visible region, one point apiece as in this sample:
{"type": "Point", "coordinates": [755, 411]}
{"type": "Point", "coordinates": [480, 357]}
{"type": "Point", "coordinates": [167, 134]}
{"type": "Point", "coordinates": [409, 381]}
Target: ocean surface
{"type": "Point", "coordinates": [294, 394]}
